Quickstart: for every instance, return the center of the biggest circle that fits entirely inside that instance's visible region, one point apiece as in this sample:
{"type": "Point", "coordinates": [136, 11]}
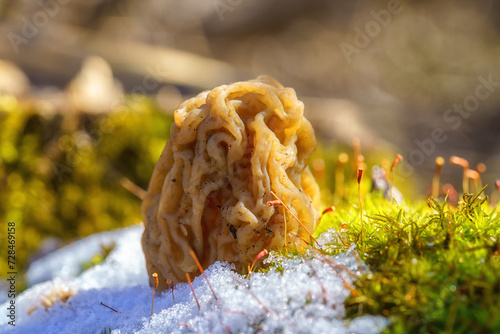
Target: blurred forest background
{"type": "Point", "coordinates": [87, 90]}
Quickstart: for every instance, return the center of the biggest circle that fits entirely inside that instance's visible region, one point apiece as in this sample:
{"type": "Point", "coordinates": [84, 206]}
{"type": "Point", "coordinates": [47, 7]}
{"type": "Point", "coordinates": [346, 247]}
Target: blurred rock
{"type": "Point", "coordinates": [13, 81]}
{"type": "Point", "coordinates": [341, 120]}
{"type": "Point", "coordinates": [94, 90]}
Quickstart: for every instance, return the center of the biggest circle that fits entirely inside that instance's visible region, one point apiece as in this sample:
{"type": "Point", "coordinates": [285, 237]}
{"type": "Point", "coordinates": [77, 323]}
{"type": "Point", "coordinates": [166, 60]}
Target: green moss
{"type": "Point", "coordinates": [433, 268]}
{"type": "Point", "coordinates": [99, 257]}
{"type": "Point", "coordinates": [60, 173]}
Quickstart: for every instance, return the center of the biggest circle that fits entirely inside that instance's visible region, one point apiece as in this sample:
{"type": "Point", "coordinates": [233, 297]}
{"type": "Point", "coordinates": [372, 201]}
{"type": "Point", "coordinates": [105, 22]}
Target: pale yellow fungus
{"type": "Point", "coordinates": [229, 148]}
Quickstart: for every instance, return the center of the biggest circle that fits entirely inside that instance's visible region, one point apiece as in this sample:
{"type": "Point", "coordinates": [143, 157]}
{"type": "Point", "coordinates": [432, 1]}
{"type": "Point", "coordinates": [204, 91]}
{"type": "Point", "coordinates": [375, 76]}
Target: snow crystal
{"type": "Point", "coordinates": [300, 295]}
{"type": "Point", "coordinates": [66, 263]}
{"type": "Point", "coordinates": [333, 241]}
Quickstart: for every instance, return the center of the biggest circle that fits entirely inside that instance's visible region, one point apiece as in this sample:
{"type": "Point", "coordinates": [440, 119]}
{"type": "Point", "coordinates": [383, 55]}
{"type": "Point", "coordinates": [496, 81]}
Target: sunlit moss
{"type": "Point", "coordinates": [98, 258]}
{"type": "Point", "coordinates": [60, 173]}
{"type": "Point", "coordinates": [433, 268]}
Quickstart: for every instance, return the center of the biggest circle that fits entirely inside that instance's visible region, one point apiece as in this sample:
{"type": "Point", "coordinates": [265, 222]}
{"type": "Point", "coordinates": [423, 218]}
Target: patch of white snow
{"type": "Point", "coordinates": [305, 295]}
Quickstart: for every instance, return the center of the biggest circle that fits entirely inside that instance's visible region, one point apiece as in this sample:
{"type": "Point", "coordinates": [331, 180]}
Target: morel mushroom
{"type": "Point", "coordinates": [229, 148]}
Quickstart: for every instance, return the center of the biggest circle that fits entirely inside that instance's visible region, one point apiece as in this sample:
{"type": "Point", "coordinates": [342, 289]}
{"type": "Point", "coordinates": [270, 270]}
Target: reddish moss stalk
{"type": "Point", "coordinates": [437, 174]}
{"type": "Point", "coordinates": [171, 285]}
{"type": "Point", "coordinates": [339, 177]}
{"type": "Point", "coordinates": [133, 188]}
{"type": "Point", "coordinates": [329, 209]}
{"type": "Point", "coordinates": [112, 309]}
{"type": "Point", "coordinates": [454, 160]}
{"type": "Point", "coordinates": [192, 289]}
{"type": "Point", "coordinates": [155, 278]}
{"type": "Point", "coordinates": [297, 219]}
{"type": "Point", "coordinates": [474, 176]}
{"type": "Point", "coordinates": [358, 158]}
{"type": "Point", "coordinates": [200, 268]}
{"type": "Point", "coordinates": [261, 254]}
{"type": "Point", "coordinates": [398, 158]}
{"type": "Point", "coordinates": [480, 169]}
{"type": "Point", "coordinates": [360, 198]}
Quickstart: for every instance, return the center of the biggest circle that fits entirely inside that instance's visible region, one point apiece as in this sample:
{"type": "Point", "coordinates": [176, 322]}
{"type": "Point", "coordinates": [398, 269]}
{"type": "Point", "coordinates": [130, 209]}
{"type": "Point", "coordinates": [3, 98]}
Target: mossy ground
{"type": "Point", "coordinates": [61, 172]}
{"type": "Point", "coordinates": [433, 268]}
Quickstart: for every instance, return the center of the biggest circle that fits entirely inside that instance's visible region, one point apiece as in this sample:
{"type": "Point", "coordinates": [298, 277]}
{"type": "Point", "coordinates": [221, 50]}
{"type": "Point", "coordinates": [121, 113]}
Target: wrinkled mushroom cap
{"type": "Point", "coordinates": [229, 148]}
